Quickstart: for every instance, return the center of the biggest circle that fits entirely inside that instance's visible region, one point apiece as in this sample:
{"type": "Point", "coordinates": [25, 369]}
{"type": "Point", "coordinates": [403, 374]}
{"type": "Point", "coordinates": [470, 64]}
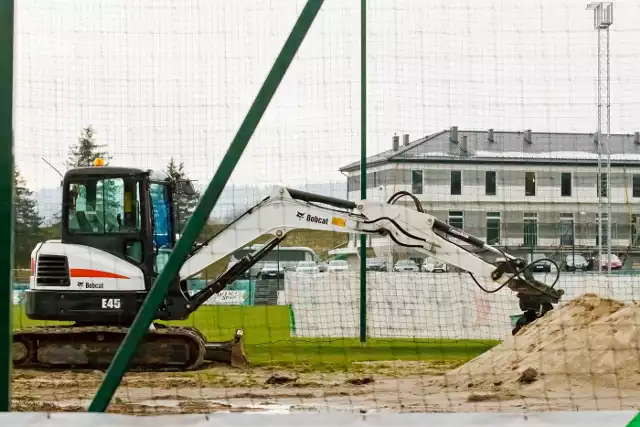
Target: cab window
{"type": "Point", "coordinates": [161, 204]}
{"type": "Point", "coordinates": [104, 206]}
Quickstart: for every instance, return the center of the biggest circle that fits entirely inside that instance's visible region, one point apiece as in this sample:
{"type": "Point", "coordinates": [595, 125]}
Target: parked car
{"type": "Point", "coordinates": [406, 265]}
{"type": "Point", "coordinates": [271, 270]}
{"type": "Point", "coordinates": [539, 267]}
{"type": "Point", "coordinates": [616, 264]}
{"type": "Point", "coordinates": [576, 262]}
{"type": "Point", "coordinates": [323, 267]}
{"type": "Point", "coordinates": [307, 267]}
{"type": "Point", "coordinates": [376, 264]}
{"type": "Point", "coordinates": [431, 265]}
{"type": "Point", "coordinates": [338, 265]}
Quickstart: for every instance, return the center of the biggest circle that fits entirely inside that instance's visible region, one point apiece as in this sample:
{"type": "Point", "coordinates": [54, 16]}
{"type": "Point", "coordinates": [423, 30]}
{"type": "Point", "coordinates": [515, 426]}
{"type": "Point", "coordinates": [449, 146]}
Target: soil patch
{"type": "Point", "coordinates": [590, 341]}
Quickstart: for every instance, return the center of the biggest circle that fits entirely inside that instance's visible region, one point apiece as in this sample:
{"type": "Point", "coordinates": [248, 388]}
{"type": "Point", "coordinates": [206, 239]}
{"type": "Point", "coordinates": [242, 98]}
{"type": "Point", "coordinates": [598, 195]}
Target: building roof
{"type": "Point", "coordinates": [509, 147]}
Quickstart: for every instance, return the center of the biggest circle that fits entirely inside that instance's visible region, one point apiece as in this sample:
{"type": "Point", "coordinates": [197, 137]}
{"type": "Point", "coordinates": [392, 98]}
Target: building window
{"type": "Point", "coordinates": [416, 182]}
{"type": "Point", "coordinates": [636, 185]}
{"type": "Point", "coordinates": [565, 184]}
{"type": "Point", "coordinates": [456, 183]}
{"type": "Point", "coordinates": [493, 228]}
{"type": "Point", "coordinates": [605, 220]}
{"type": "Point", "coordinates": [567, 228]}
{"type": "Point", "coordinates": [529, 183]}
{"type": "Point", "coordinates": [456, 219]}
{"type": "Point", "coordinates": [490, 183]}
{"type": "Point", "coordinates": [531, 229]}
{"type": "Point", "coordinates": [603, 185]}
{"type": "Point", "coordinates": [635, 230]}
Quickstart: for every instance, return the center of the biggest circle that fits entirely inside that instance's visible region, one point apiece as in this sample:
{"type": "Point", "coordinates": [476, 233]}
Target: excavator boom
{"type": "Point", "coordinates": [287, 209]}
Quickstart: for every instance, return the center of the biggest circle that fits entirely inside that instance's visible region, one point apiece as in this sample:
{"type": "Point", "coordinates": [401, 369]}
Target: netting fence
{"type": "Point", "coordinates": [486, 112]}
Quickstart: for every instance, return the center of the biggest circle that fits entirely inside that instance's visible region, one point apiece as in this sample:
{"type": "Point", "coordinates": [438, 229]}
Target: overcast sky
{"type": "Point", "coordinates": [160, 78]}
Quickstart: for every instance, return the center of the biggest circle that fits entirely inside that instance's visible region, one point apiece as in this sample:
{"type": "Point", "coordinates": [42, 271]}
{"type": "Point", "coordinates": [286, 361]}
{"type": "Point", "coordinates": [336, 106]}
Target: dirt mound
{"type": "Point", "coordinates": [588, 340]}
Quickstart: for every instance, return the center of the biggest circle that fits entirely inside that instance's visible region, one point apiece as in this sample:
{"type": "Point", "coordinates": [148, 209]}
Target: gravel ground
{"type": "Point", "coordinates": [379, 386]}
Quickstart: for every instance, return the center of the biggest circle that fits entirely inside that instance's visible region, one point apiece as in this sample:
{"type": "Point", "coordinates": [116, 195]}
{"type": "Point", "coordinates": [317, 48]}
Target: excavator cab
{"type": "Point", "coordinates": [117, 231]}
{"type": "Point", "coordinates": [125, 212]}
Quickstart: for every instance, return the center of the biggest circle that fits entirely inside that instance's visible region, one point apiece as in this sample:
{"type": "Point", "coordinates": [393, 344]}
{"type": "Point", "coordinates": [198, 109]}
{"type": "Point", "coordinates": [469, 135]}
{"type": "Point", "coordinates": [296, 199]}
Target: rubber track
{"type": "Point", "coordinates": [65, 335]}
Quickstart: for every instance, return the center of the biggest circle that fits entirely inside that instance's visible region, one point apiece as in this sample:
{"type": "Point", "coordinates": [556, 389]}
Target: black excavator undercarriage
{"type": "Point", "coordinates": [165, 348]}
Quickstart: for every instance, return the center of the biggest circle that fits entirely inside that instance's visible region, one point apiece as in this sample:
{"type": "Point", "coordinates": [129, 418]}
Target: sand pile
{"type": "Point", "coordinates": [588, 340]}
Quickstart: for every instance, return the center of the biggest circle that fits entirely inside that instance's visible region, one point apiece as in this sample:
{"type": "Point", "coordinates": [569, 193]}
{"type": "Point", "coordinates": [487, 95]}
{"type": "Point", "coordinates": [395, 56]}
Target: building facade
{"type": "Point", "coordinates": [522, 191]}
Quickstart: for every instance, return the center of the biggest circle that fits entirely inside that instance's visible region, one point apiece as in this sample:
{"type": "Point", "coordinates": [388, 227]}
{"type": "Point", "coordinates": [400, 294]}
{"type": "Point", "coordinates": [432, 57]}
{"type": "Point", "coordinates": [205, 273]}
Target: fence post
{"type": "Point", "coordinates": [6, 196]}
{"type": "Point", "coordinates": [199, 217]}
{"type": "Point", "coordinates": [363, 167]}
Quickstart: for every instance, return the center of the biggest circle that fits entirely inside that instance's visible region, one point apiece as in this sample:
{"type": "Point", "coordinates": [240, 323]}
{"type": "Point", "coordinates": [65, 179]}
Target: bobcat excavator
{"type": "Point", "coordinates": [118, 228]}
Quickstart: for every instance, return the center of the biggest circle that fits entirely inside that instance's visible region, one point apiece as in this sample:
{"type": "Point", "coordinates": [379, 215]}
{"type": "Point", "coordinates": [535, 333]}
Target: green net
{"type": "Point", "coordinates": [485, 112]}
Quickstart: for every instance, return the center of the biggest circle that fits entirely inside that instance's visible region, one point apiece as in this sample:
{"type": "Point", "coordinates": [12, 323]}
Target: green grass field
{"type": "Point", "coordinates": [268, 341]}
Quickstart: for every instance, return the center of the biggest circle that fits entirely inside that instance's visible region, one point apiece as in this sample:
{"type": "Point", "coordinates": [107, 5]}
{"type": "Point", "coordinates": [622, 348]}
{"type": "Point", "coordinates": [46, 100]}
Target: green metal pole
{"type": "Point", "coordinates": [363, 167]}
{"type": "Point", "coordinates": [198, 220]}
{"type": "Point", "coordinates": [6, 196]}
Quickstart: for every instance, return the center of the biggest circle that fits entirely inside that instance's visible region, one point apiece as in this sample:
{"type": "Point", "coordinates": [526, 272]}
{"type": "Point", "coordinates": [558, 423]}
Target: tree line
{"type": "Point", "coordinates": [29, 226]}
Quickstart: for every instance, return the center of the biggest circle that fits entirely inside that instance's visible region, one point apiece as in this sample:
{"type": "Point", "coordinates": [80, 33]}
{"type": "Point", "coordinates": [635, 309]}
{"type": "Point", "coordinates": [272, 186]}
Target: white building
{"type": "Point", "coordinates": [519, 190]}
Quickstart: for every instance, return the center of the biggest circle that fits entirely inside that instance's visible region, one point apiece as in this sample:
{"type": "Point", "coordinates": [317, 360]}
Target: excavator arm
{"type": "Point", "coordinates": [287, 209]}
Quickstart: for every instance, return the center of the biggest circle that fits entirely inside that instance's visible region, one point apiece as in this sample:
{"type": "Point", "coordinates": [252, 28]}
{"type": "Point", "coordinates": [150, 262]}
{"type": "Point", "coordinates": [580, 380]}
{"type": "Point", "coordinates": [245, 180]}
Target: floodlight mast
{"type": "Point", "coordinates": [602, 20]}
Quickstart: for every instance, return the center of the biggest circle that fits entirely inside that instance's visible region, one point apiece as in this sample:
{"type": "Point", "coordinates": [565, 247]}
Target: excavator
{"type": "Point", "coordinates": [118, 228]}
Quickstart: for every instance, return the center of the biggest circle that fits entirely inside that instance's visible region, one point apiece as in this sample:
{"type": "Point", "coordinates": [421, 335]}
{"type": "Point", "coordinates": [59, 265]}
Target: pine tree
{"type": "Point", "coordinates": [86, 150]}
{"type": "Point", "coordinates": [185, 204]}
{"type": "Point", "coordinates": [27, 221]}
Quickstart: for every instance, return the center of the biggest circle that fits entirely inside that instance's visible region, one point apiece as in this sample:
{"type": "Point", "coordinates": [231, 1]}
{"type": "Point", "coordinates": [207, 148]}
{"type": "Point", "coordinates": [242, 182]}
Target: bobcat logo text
{"type": "Point", "coordinates": [312, 218]}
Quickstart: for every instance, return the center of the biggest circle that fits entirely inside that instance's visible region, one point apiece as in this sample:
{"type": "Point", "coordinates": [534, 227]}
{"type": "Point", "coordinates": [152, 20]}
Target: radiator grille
{"type": "Point", "coordinates": [53, 270]}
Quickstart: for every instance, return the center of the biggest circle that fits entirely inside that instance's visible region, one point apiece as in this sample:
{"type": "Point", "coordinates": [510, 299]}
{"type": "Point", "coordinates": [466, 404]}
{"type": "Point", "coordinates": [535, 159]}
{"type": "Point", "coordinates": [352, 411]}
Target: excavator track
{"type": "Point", "coordinates": [93, 347]}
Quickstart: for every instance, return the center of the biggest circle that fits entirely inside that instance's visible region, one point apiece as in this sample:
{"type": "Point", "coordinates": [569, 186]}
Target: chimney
{"type": "Point", "coordinates": [463, 144]}
{"type": "Point", "coordinates": [490, 136]}
{"type": "Point", "coordinates": [453, 134]}
{"type": "Point", "coordinates": [527, 136]}
{"type": "Point", "coordinates": [396, 142]}
{"type": "Point", "coordinates": [405, 139]}
{"type": "Point", "coordinates": [636, 139]}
